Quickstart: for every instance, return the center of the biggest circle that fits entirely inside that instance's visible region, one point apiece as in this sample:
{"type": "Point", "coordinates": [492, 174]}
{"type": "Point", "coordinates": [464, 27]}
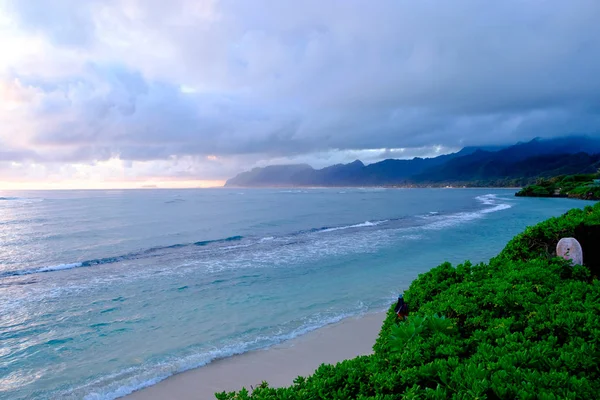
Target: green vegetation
{"type": "Point", "coordinates": [526, 325]}
{"type": "Point", "coordinates": [581, 186]}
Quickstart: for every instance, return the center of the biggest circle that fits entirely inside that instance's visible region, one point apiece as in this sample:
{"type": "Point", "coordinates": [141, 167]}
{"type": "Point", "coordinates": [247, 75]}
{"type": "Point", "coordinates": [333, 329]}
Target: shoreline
{"type": "Point", "coordinates": [279, 365]}
{"type": "Point", "coordinates": [558, 196]}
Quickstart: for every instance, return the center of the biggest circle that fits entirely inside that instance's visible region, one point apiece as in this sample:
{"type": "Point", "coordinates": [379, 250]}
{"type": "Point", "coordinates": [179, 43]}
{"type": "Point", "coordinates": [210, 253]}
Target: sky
{"type": "Point", "coordinates": [187, 93]}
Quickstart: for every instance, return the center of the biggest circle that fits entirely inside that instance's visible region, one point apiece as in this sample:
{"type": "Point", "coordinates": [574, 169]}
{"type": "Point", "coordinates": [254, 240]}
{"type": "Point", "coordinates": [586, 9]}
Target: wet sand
{"type": "Point", "coordinates": [278, 365]}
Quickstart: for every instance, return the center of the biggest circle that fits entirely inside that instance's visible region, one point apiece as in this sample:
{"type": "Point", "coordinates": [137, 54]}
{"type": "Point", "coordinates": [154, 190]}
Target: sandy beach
{"type": "Point", "coordinates": [278, 365]}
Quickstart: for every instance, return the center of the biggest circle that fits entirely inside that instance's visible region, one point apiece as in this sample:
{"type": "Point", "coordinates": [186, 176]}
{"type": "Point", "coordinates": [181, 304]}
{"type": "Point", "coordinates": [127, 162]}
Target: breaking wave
{"type": "Point", "coordinates": [129, 380]}
{"type": "Point", "coordinates": [112, 260]}
{"type": "Point", "coordinates": [445, 221]}
{"type": "Point", "coordinates": [434, 221]}
{"type": "Point", "coordinates": [365, 224]}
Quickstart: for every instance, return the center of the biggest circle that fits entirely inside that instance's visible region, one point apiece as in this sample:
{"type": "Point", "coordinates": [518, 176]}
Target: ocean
{"type": "Point", "coordinates": [106, 292]}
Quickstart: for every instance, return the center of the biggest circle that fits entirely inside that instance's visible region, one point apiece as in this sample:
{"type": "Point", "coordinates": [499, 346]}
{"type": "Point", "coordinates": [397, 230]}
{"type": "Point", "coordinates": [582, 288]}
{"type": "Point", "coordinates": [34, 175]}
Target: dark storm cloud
{"type": "Point", "coordinates": [229, 78]}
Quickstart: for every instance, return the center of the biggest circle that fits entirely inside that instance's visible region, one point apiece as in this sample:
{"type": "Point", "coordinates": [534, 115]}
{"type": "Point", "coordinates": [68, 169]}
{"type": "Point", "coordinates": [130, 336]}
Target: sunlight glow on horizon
{"type": "Point", "coordinates": [106, 185]}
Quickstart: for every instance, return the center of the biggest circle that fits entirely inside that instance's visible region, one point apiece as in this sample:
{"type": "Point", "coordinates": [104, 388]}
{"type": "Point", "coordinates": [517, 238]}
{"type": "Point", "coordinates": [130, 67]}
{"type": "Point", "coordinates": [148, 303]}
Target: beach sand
{"type": "Point", "coordinates": [278, 365]}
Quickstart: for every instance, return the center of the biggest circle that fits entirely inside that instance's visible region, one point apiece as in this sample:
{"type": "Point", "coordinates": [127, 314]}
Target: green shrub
{"type": "Point", "coordinates": [577, 186]}
{"type": "Point", "coordinates": [537, 191]}
{"type": "Point", "coordinates": [526, 325]}
{"type": "Point", "coordinates": [540, 240]}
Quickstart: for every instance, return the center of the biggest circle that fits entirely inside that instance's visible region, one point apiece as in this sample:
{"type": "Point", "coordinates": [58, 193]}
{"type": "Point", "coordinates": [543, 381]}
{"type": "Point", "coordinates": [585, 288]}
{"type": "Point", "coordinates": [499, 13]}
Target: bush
{"type": "Point", "coordinates": [577, 186]}
{"type": "Point", "coordinates": [536, 191]}
{"type": "Point", "coordinates": [526, 325]}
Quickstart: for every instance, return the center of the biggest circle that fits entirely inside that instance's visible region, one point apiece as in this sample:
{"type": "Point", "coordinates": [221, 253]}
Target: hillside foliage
{"type": "Point", "coordinates": [525, 325]}
{"type": "Point", "coordinates": [580, 186]}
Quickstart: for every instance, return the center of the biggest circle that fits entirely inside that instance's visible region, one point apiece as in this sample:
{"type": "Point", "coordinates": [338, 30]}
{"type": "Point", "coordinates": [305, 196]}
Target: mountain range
{"type": "Point", "coordinates": [515, 165]}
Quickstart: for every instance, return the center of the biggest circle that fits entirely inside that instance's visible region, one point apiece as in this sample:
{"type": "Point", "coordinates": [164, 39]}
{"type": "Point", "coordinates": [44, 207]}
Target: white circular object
{"type": "Point", "coordinates": [570, 249]}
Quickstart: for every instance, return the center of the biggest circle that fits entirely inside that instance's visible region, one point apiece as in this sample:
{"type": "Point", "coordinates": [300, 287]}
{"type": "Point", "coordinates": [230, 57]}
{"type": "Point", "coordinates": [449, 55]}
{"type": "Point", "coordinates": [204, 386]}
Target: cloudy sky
{"type": "Point", "coordinates": [114, 93]}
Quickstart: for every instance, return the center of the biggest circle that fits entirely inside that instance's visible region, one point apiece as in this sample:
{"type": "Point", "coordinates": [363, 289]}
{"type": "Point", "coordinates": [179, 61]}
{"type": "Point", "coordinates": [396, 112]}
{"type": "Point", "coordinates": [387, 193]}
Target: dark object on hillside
{"type": "Point", "coordinates": [401, 308]}
{"type": "Point", "coordinates": [589, 238]}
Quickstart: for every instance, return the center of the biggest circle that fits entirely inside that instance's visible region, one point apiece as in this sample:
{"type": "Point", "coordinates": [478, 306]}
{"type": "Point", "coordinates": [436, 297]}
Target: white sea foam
{"type": "Point", "coordinates": [363, 225]}
{"type": "Point", "coordinates": [237, 246]}
{"type": "Point", "coordinates": [411, 237]}
{"type": "Point", "coordinates": [305, 248]}
{"type": "Point", "coordinates": [50, 268]}
{"type": "Point", "coordinates": [326, 245]}
{"type": "Point", "coordinates": [447, 221]}
{"type": "Point", "coordinates": [499, 207]}
{"type": "Point", "coordinates": [132, 379]}
{"type": "Point", "coordinates": [487, 199]}
{"type": "Point", "coordinates": [59, 267]}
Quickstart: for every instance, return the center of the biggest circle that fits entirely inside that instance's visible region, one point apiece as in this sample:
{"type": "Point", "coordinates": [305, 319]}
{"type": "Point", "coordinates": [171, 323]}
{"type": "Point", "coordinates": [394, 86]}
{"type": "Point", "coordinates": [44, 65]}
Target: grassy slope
{"type": "Point", "coordinates": [526, 325]}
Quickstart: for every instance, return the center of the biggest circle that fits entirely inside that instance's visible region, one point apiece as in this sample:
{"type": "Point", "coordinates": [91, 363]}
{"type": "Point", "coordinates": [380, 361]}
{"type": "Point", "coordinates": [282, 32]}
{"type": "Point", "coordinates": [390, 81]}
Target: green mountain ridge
{"type": "Point", "coordinates": [516, 165]}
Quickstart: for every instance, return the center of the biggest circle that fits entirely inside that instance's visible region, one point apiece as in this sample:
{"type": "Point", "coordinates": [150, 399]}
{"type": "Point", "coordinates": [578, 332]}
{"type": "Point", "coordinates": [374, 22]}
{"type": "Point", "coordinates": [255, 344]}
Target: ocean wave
{"type": "Point", "coordinates": [487, 199]}
{"type": "Point", "coordinates": [17, 282]}
{"type": "Point", "coordinates": [50, 268]}
{"type": "Point", "coordinates": [131, 379]}
{"type": "Point", "coordinates": [229, 239]}
{"type": "Point", "coordinates": [447, 221]}
{"type": "Point", "coordinates": [238, 246]}
{"type": "Point", "coordinates": [115, 259]}
{"type": "Point", "coordinates": [59, 267]}
{"type": "Point", "coordinates": [21, 199]}
{"type": "Point", "coordinates": [434, 220]}
{"type": "Point", "coordinates": [365, 224]}
{"type": "Point", "coordinates": [174, 201]}
{"type": "Point", "coordinates": [496, 208]}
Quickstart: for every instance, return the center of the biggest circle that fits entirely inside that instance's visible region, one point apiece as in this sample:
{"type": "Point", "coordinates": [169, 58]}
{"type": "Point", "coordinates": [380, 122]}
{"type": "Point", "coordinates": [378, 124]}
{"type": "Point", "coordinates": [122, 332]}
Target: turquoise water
{"type": "Point", "coordinates": [105, 292]}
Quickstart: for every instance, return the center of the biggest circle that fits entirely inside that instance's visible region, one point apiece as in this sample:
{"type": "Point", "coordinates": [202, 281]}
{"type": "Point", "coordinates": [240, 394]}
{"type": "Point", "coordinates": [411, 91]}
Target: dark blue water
{"type": "Point", "coordinates": [104, 292]}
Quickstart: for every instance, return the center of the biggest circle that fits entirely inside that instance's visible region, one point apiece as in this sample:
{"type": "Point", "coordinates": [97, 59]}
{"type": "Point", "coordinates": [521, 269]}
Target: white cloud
{"type": "Point", "coordinates": [168, 84]}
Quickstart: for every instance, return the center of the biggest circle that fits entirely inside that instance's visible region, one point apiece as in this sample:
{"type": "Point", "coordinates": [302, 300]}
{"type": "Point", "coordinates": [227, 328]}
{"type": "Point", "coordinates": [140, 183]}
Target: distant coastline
{"type": "Point", "coordinates": [579, 186]}
{"type": "Point", "coordinates": [514, 166]}
{"type": "Point", "coordinates": [375, 187]}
